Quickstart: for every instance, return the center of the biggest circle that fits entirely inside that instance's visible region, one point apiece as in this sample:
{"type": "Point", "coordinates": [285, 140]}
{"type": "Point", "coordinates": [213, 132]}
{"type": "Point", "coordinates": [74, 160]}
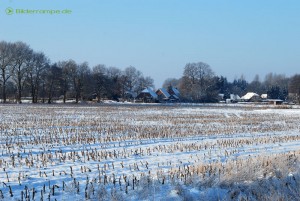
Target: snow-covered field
{"type": "Point", "coordinates": [140, 152]}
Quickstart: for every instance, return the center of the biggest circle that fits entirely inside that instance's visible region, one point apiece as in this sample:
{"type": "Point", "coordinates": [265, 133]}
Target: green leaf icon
{"type": "Point", "coordinates": [9, 11]}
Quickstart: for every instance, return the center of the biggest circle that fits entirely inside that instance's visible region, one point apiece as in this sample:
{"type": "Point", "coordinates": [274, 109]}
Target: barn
{"type": "Point", "coordinates": [147, 96]}
{"type": "Point", "coordinates": [163, 95]}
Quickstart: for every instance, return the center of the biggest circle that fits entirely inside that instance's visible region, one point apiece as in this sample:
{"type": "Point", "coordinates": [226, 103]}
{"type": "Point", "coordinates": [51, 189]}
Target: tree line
{"type": "Point", "coordinates": [28, 73]}
{"type": "Point", "coordinates": [200, 84]}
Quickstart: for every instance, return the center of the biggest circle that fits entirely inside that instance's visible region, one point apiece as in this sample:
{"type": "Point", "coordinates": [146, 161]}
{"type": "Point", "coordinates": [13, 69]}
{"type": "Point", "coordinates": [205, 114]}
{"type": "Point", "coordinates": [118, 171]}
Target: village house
{"type": "Point", "coordinates": [147, 96]}
{"type": "Point", "coordinates": [174, 92]}
{"type": "Point", "coordinates": [251, 97]}
{"type": "Point", "coordinates": [163, 95]}
{"type": "Point", "coordinates": [170, 95]}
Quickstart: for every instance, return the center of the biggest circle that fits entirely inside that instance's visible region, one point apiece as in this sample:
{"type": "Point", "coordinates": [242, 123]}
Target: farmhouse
{"type": "Point", "coordinates": [147, 96]}
{"type": "Point", "coordinates": [163, 95]}
{"type": "Point", "coordinates": [174, 91]}
{"type": "Point", "coordinates": [251, 97]}
{"type": "Point", "coordinates": [175, 94]}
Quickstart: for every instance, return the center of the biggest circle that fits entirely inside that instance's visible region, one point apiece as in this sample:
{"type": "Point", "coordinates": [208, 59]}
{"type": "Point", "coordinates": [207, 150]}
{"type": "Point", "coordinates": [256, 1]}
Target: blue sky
{"type": "Point", "coordinates": [159, 37]}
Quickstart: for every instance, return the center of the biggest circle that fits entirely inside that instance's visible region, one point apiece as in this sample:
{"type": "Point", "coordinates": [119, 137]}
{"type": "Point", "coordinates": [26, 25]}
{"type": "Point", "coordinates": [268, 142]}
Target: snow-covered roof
{"type": "Point", "coordinates": [165, 92]}
{"type": "Point", "coordinates": [264, 96]}
{"type": "Point", "coordinates": [249, 95]}
{"type": "Point", "coordinates": [175, 90]}
{"type": "Point", "coordinates": [176, 97]}
{"type": "Point", "coordinates": [149, 90]}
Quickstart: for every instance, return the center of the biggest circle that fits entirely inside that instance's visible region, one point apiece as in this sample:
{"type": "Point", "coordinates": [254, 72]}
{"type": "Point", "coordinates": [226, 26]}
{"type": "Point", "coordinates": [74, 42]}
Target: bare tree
{"type": "Point", "coordinates": [6, 66]}
{"type": "Point", "coordinates": [132, 78]}
{"type": "Point", "coordinates": [53, 80]}
{"type": "Point", "coordinates": [294, 88]}
{"type": "Point", "coordinates": [191, 72]}
{"type": "Point", "coordinates": [23, 55]}
{"type": "Point", "coordinates": [85, 77]}
{"type": "Point", "coordinates": [129, 81]}
{"type": "Point", "coordinates": [144, 82]}
{"type": "Point", "coordinates": [100, 80]}
{"type": "Point", "coordinates": [113, 72]}
{"type": "Point", "coordinates": [78, 74]}
{"type": "Point", "coordinates": [171, 82]}
{"type": "Point", "coordinates": [273, 79]}
{"type": "Point", "coordinates": [197, 80]}
{"type": "Point", "coordinates": [36, 67]}
{"type": "Point", "coordinates": [186, 88]}
{"type": "Point", "coordinates": [68, 68]}
{"type": "Point", "coordinates": [115, 78]}
{"type": "Point", "coordinates": [255, 86]}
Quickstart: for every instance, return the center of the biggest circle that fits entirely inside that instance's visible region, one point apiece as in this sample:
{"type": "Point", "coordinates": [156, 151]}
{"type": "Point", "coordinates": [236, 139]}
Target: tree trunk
{"type": "Point", "coordinates": [77, 96]}
{"type": "Point", "coordinates": [4, 86]}
{"type": "Point", "coordinates": [19, 92]}
{"type": "Point", "coordinates": [65, 96]}
{"type": "Point", "coordinates": [33, 93]}
{"type": "Point", "coordinates": [4, 91]}
{"type": "Point", "coordinates": [43, 93]}
{"type": "Point", "coordinates": [19, 87]}
{"type": "Point", "coordinates": [50, 93]}
{"type": "Point", "coordinates": [36, 97]}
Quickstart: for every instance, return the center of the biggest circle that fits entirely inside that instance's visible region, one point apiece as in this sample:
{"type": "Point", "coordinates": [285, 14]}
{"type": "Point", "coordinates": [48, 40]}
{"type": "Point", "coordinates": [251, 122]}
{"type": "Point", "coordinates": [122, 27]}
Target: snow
{"type": "Point", "coordinates": [85, 143]}
{"type": "Point", "coordinates": [249, 95]}
{"type": "Point", "coordinates": [264, 96]}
